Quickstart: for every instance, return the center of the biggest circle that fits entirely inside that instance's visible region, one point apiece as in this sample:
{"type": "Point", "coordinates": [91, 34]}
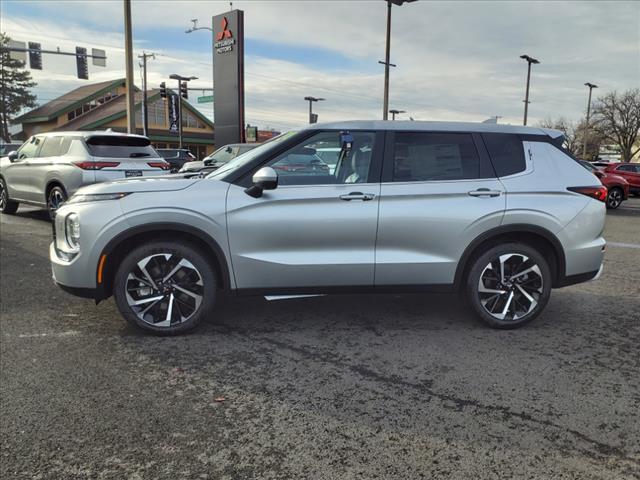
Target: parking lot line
{"type": "Point", "coordinates": [623, 245]}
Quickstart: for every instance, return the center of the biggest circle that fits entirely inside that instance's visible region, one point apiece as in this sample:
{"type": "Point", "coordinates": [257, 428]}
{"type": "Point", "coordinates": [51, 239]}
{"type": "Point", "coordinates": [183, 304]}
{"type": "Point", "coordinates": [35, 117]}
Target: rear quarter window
{"type": "Point", "coordinates": [506, 152]}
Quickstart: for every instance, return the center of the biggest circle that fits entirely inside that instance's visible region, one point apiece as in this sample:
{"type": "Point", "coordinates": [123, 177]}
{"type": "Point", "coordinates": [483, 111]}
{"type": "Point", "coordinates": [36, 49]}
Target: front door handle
{"type": "Point", "coordinates": [357, 196]}
{"type": "Point", "coordinates": [485, 192]}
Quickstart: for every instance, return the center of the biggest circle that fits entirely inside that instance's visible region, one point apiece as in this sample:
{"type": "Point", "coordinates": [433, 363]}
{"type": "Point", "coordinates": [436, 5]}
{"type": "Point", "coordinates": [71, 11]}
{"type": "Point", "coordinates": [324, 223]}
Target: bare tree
{"type": "Point", "coordinates": [572, 132]}
{"type": "Point", "coordinates": [617, 118]}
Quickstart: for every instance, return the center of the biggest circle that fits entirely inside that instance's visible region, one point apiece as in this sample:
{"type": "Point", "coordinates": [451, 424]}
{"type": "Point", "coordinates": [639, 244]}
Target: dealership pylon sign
{"type": "Point", "coordinates": [228, 77]}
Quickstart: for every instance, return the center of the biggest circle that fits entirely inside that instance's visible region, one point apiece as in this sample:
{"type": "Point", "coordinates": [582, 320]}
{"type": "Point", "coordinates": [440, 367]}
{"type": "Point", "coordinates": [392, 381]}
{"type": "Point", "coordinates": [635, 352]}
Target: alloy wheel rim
{"type": "Point", "coordinates": [510, 287]}
{"type": "Point", "coordinates": [615, 198]}
{"type": "Point", "coordinates": [56, 198]}
{"type": "Point", "coordinates": [3, 195]}
{"type": "Point", "coordinates": [164, 289]}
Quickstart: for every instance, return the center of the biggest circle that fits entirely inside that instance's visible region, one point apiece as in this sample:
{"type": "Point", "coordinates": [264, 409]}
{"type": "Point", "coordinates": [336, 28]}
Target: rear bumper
{"type": "Point", "coordinates": [580, 278]}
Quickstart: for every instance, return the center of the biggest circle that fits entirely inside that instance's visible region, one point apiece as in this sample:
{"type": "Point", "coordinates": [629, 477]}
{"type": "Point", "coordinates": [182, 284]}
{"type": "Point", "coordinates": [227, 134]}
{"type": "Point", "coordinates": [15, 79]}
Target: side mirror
{"type": "Point", "coordinates": [264, 179]}
{"type": "Point", "coordinates": [13, 156]}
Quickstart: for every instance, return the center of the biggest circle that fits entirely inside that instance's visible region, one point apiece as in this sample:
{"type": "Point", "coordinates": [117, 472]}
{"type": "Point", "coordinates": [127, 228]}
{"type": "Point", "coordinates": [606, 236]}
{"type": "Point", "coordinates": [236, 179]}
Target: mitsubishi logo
{"type": "Point", "coordinates": [225, 32]}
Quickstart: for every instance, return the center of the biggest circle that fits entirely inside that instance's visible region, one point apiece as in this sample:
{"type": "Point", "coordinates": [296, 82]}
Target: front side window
{"type": "Point", "coordinates": [422, 157]}
{"type": "Point", "coordinates": [30, 148]}
{"type": "Point", "coordinates": [303, 164]}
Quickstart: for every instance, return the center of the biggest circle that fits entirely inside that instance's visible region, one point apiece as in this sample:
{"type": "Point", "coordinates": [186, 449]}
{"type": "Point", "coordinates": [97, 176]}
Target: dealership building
{"type": "Point", "coordinates": [102, 106]}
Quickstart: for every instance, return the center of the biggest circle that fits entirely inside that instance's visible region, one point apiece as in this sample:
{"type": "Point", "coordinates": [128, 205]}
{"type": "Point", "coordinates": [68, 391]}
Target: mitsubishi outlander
{"type": "Point", "coordinates": [500, 213]}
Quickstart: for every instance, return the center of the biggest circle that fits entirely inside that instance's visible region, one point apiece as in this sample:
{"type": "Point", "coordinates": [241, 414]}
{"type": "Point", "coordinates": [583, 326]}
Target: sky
{"type": "Point", "coordinates": [456, 60]}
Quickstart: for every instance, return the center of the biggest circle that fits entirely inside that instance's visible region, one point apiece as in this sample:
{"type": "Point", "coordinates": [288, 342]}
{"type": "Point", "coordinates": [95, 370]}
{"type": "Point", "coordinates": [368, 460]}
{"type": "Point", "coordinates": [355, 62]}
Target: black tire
{"type": "Point", "coordinates": [519, 309]}
{"type": "Point", "coordinates": [179, 310]}
{"type": "Point", "coordinates": [56, 196]}
{"type": "Point", "coordinates": [7, 205]}
{"type": "Point", "coordinates": [615, 196]}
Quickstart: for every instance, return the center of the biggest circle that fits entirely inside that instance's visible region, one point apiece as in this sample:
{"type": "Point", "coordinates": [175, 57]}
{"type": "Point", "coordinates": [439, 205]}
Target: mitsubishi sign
{"type": "Point", "coordinates": [228, 77]}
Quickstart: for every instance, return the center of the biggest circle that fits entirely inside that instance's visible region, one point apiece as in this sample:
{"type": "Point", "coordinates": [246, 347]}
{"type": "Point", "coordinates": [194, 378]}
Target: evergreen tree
{"type": "Point", "coordinates": [15, 85]}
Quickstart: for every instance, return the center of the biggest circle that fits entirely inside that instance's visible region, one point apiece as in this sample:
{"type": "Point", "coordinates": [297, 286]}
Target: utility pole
{"type": "Point", "coordinates": [387, 55]}
{"type": "Point", "coordinates": [529, 60]}
{"type": "Point", "coordinates": [130, 89]}
{"type": "Point", "coordinates": [312, 119]}
{"type": "Point", "coordinates": [145, 109]}
{"type": "Point", "coordinates": [586, 126]}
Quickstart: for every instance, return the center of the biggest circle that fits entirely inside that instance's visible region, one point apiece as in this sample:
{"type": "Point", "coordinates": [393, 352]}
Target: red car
{"type": "Point", "coordinates": [617, 186]}
{"type": "Point", "coordinates": [629, 171]}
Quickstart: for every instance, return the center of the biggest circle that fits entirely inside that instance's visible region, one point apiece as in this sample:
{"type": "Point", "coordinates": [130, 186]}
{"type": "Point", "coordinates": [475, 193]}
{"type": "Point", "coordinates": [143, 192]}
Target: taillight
{"type": "Point", "coordinates": [162, 165]}
{"type": "Point", "coordinates": [599, 193]}
{"type": "Point", "coordinates": [95, 165]}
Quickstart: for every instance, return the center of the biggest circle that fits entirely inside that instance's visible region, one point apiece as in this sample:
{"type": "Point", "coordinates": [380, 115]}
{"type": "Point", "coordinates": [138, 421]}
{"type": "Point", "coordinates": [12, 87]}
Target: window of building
{"type": "Point", "coordinates": [191, 120]}
{"type": "Point", "coordinates": [421, 157]}
{"type": "Point", "coordinates": [95, 103]}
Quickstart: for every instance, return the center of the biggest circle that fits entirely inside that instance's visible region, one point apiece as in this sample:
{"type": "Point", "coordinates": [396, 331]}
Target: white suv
{"type": "Point", "coordinates": [50, 167]}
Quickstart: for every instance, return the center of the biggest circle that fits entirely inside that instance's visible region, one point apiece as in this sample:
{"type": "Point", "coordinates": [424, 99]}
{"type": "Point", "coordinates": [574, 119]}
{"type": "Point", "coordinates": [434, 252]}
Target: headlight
{"type": "Point", "coordinates": [72, 231]}
{"type": "Point", "coordinates": [96, 197]}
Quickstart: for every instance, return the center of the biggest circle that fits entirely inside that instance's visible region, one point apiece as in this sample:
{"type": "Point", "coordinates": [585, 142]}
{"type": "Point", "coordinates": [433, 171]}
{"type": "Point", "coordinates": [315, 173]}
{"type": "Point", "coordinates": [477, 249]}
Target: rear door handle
{"type": "Point", "coordinates": [485, 192]}
{"type": "Point", "coordinates": [357, 196]}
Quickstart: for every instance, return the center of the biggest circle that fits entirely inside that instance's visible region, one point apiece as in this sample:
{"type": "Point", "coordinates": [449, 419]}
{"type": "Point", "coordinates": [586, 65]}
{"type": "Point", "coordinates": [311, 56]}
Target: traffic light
{"type": "Point", "coordinates": [183, 90]}
{"type": "Point", "coordinates": [314, 118]}
{"type": "Point", "coordinates": [81, 63]}
{"type": "Point", "coordinates": [163, 90]}
{"type": "Point", "coordinates": [35, 56]}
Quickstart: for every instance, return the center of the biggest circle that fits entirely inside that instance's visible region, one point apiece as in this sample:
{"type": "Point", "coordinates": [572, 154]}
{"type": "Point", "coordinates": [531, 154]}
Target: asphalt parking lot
{"type": "Point", "coordinates": [336, 387]}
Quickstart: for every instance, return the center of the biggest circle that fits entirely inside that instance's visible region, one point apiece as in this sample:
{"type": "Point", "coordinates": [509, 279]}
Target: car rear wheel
{"type": "Point", "coordinates": [509, 285]}
{"type": "Point", "coordinates": [55, 198]}
{"type": "Point", "coordinates": [165, 287]}
{"type": "Point", "coordinates": [614, 198]}
{"type": "Point", "coordinates": [7, 205]}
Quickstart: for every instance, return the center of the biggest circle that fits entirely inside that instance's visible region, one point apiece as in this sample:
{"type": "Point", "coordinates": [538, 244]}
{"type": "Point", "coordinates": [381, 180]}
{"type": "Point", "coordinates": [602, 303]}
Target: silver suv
{"type": "Point", "coordinates": [501, 213]}
{"type": "Point", "coordinates": [49, 167]}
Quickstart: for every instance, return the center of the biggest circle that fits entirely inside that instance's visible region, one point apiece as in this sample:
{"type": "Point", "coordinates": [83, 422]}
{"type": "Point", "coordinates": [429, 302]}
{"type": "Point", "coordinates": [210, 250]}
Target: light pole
{"type": "Point", "coordinates": [586, 126]}
{"type": "Point", "coordinates": [181, 80]}
{"type": "Point", "coordinates": [195, 27]}
{"type": "Point", "coordinates": [145, 107]}
{"type": "Point", "coordinates": [395, 112]}
{"type": "Point", "coordinates": [387, 61]}
{"type": "Point", "coordinates": [129, 88]}
{"type": "Point", "coordinates": [529, 60]}
{"type": "Point", "coordinates": [311, 100]}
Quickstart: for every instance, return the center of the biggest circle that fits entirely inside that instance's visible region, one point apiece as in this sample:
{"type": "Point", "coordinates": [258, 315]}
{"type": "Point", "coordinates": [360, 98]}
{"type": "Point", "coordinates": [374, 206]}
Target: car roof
{"type": "Point", "coordinates": [87, 134]}
{"type": "Point", "coordinates": [405, 125]}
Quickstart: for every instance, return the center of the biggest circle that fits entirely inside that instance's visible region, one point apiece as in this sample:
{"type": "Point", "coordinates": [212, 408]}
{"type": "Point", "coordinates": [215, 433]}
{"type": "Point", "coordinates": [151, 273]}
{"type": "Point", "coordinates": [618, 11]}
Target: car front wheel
{"type": "Point", "coordinates": [509, 285]}
{"type": "Point", "coordinates": [7, 205]}
{"type": "Point", "coordinates": [165, 287]}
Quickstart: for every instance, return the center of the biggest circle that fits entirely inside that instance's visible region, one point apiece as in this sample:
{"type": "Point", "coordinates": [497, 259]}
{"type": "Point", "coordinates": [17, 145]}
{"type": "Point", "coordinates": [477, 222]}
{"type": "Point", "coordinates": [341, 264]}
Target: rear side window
{"type": "Point", "coordinates": [51, 147]}
{"type": "Point", "coordinates": [420, 157]}
{"type": "Point", "coordinates": [112, 146]}
{"type": "Point", "coordinates": [506, 152]}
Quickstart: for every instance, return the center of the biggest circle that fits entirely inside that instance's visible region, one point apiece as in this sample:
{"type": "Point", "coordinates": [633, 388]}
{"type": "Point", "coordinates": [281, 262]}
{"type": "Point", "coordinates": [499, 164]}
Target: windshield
{"type": "Point", "coordinates": [249, 156]}
{"type": "Point", "coordinates": [588, 166]}
{"type": "Point", "coordinates": [222, 155]}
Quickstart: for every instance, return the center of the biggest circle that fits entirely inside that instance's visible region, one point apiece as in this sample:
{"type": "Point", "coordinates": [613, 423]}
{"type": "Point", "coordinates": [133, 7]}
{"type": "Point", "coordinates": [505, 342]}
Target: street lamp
{"type": "Point", "coordinates": [586, 126]}
{"type": "Point", "coordinates": [312, 118]}
{"type": "Point", "coordinates": [395, 112]}
{"type": "Point", "coordinates": [195, 27]}
{"type": "Point", "coordinates": [529, 60]}
{"type": "Point", "coordinates": [387, 62]}
{"type": "Point", "coordinates": [181, 80]}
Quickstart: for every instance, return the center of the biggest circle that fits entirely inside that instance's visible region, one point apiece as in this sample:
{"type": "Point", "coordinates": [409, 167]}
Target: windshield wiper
{"type": "Point", "coordinates": [139, 154]}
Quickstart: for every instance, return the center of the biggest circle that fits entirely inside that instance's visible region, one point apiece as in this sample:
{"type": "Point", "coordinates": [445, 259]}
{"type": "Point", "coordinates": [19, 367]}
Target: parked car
{"type": "Point", "coordinates": [630, 172]}
{"type": "Point", "coordinates": [617, 187]}
{"type": "Point", "coordinates": [498, 212]}
{"type": "Point", "coordinates": [5, 148]}
{"type": "Point", "coordinates": [176, 157]}
{"type": "Point", "coordinates": [50, 167]}
{"type": "Point", "coordinates": [218, 158]}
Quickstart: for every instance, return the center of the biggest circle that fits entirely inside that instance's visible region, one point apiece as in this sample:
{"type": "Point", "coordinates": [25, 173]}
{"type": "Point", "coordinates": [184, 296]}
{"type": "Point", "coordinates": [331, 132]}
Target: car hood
{"type": "Point", "coordinates": [165, 183]}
